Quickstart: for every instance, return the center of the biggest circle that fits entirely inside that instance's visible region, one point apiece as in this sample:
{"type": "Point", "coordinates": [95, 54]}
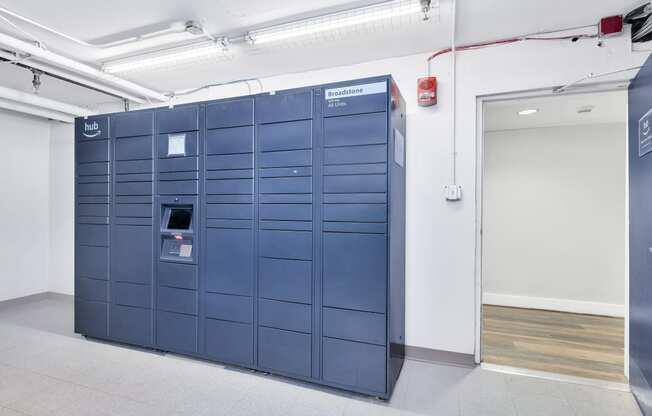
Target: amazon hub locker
{"type": "Point", "coordinates": [265, 231]}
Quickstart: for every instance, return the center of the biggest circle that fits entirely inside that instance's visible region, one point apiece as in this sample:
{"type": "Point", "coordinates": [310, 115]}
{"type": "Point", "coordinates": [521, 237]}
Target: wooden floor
{"type": "Point", "coordinates": [558, 342]}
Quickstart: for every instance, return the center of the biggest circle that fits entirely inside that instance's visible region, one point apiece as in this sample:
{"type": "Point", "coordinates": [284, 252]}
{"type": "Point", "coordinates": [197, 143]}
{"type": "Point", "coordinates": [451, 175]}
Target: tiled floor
{"type": "Point", "coordinates": [47, 370]}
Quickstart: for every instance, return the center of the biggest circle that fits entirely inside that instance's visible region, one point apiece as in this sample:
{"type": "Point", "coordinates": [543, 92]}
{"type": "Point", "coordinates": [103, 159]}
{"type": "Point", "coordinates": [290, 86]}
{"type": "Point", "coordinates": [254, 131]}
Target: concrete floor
{"type": "Point", "coordinates": [45, 369]}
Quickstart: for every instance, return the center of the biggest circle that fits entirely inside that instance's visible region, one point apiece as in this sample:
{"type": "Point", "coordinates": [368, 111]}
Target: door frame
{"type": "Point", "coordinates": [481, 100]}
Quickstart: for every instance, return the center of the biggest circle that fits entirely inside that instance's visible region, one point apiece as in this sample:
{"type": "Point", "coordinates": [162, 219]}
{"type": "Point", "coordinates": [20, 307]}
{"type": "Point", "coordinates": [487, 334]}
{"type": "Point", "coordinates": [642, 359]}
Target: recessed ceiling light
{"type": "Point", "coordinates": [528, 111]}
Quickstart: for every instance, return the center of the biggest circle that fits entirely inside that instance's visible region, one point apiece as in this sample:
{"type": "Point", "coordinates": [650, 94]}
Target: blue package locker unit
{"type": "Point", "coordinates": [265, 231]}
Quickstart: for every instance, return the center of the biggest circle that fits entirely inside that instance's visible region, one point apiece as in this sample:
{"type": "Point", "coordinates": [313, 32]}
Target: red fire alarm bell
{"type": "Point", "coordinates": [611, 26]}
{"type": "Point", "coordinates": [427, 91]}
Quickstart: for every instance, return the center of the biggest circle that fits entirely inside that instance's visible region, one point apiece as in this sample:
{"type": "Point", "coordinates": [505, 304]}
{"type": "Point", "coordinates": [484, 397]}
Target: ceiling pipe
{"type": "Point", "coordinates": [67, 76]}
{"type": "Point", "coordinates": [79, 68]}
{"type": "Point", "coordinates": [38, 112]}
{"type": "Point", "coordinates": [42, 102]}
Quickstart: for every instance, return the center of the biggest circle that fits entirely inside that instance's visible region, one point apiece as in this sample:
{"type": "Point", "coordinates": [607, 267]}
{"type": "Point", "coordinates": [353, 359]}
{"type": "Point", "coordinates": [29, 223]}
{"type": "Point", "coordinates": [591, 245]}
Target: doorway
{"type": "Point", "coordinates": [553, 234]}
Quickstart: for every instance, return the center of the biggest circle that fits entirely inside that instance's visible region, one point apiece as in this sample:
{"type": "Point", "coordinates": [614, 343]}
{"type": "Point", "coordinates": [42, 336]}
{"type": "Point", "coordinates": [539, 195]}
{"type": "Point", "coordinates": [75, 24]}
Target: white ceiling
{"type": "Point", "coordinates": [561, 110]}
{"type": "Point", "coordinates": [105, 21]}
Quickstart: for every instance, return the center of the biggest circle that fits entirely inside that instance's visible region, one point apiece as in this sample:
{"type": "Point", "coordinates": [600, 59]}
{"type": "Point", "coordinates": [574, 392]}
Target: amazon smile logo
{"type": "Point", "coordinates": [645, 129]}
{"type": "Point", "coordinates": [92, 129]}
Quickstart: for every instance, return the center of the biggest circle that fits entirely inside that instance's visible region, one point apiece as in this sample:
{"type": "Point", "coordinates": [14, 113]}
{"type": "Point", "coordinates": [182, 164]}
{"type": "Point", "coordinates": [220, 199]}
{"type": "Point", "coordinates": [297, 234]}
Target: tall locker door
{"type": "Point", "coordinates": [131, 314]}
{"type": "Point", "coordinates": [227, 276]}
{"type": "Point", "coordinates": [285, 232]}
{"type": "Point", "coordinates": [177, 170]}
{"type": "Point", "coordinates": [92, 194]}
{"type": "Point", "coordinates": [354, 237]}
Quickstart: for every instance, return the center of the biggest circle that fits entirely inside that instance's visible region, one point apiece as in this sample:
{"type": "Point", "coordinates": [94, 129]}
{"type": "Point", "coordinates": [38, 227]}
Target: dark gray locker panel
{"type": "Point", "coordinates": [95, 151]}
{"type": "Point", "coordinates": [285, 172]}
{"type": "Point", "coordinates": [93, 210]}
{"type": "Point", "coordinates": [229, 261]}
{"type": "Point", "coordinates": [132, 124]}
{"type": "Point", "coordinates": [221, 162]}
{"type": "Point", "coordinates": [284, 315]}
{"type": "Point", "coordinates": [355, 271]}
{"type": "Point", "coordinates": [130, 294]}
{"type": "Point", "coordinates": [285, 136]}
{"type": "Point", "coordinates": [228, 307]}
{"type": "Point", "coordinates": [183, 276]}
{"type": "Point", "coordinates": [132, 254]}
{"type": "Point", "coordinates": [134, 166]}
{"type": "Point", "coordinates": [355, 169]}
{"type": "Point", "coordinates": [92, 262]}
{"type": "Point", "coordinates": [92, 289]}
{"type": "Point", "coordinates": [98, 168]}
{"type": "Point", "coordinates": [355, 212]}
{"type": "Point", "coordinates": [133, 210]}
{"type": "Point", "coordinates": [355, 183]}
{"type": "Point", "coordinates": [285, 212]}
{"type": "Point", "coordinates": [178, 176]}
{"type": "Point", "coordinates": [230, 141]}
{"type": "Point", "coordinates": [229, 342]}
{"type": "Point", "coordinates": [286, 244]}
{"type": "Point", "coordinates": [92, 189]}
{"type": "Point", "coordinates": [355, 326]}
{"type": "Point", "coordinates": [284, 351]}
{"type": "Point", "coordinates": [132, 325]}
{"type": "Point", "coordinates": [130, 148]}
{"type": "Point", "coordinates": [354, 364]}
{"type": "Point", "coordinates": [300, 185]}
{"type": "Point", "coordinates": [92, 235]}
{"type": "Point", "coordinates": [178, 119]}
{"type": "Point", "coordinates": [284, 107]}
{"type": "Point", "coordinates": [285, 158]}
{"type": "Point", "coordinates": [287, 280]}
{"type": "Point", "coordinates": [176, 332]}
{"type": "Point", "coordinates": [91, 318]}
{"type": "Point", "coordinates": [230, 174]}
{"type": "Point", "coordinates": [178, 187]}
{"type": "Point", "coordinates": [355, 130]}
{"type": "Point", "coordinates": [230, 113]}
{"type": "Point", "coordinates": [178, 164]}
{"type": "Point", "coordinates": [230, 211]}
{"type": "Point", "coordinates": [230, 186]}
{"type": "Point", "coordinates": [355, 154]}
{"type": "Point", "coordinates": [176, 300]}
{"type": "Point", "coordinates": [133, 188]}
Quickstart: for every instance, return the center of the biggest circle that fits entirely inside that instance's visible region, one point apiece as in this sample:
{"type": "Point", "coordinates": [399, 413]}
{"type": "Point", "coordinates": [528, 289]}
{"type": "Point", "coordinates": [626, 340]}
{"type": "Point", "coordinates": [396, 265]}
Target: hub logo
{"type": "Point", "coordinates": [91, 129]}
{"type": "Point", "coordinates": [355, 91]}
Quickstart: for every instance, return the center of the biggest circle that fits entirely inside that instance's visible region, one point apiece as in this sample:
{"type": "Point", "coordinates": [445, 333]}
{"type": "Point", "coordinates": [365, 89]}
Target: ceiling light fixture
{"type": "Point", "coordinates": [338, 21]}
{"type": "Point", "coordinates": [168, 57]}
{"type": "Point", "coordinates": [528, 111]}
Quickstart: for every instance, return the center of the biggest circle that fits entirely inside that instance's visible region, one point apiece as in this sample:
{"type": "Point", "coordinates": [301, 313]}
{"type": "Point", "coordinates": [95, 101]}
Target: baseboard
{"type": "Point", "coordinates": [552, 304]}
{"type": "Point", "coordinates": [439, 357]}
{"type": "Point", "coordinates": [36, 297]}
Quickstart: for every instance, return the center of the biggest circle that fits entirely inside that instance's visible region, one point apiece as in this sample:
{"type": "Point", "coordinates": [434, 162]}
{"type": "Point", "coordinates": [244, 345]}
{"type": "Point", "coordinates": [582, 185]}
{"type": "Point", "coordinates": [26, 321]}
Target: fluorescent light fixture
{"type": "Point", "coordinates": [336, 21]}
{"type": "Point", "coordinates": [528, 111]}
{"type": "Point", "coordinates": [167, 57]}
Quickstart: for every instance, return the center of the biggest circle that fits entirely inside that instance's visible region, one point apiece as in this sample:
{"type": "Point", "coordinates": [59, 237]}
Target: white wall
{"type": "Point", "coordinates": [24, 202]}
{"type": "Point", "coordinates": [62, 206]}
{"type": "Point", "coordinates": [554, 218]}
{"type": "Point", "coordinates": [440, 235]}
